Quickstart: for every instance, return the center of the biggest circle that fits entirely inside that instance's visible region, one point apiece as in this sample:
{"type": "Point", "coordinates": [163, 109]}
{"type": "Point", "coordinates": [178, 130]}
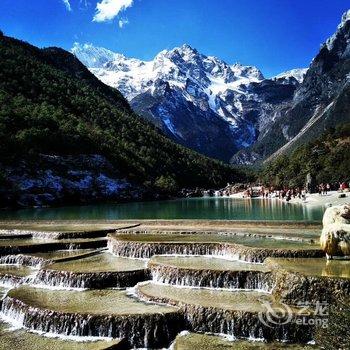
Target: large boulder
{"type": "Point", "coordinates": [335, 237]}
{"type": "Point", "coordinates": [339, 214]}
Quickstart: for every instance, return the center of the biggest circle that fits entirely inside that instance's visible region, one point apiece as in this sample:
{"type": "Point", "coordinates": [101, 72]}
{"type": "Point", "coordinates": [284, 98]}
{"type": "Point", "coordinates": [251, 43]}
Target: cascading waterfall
{"type": "Point", "coordinates": [52, 246]}
{"type": "Point", "coordinates": [158, 329]}
{"type": "Point", "coordinates": [146, 250]}
{"type": "Point", "coordinates": [257, 280]}
{"type": "Point", "coordinates": [142, 331]}
{"type": "Point", "coordinates": [9, 281]}
{"type": "Point", "coordinates": [96, 280]}
{"type": "Point", "coordinates": [237, 323]}
{"type": "Point", "coordinates": [244, 324]}
{"type": "Point", "coordinates": [23, 260]}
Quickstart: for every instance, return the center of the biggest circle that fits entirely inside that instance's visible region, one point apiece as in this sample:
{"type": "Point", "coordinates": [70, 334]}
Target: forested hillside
{"type": "Point", "coordinates": [327, 159]}
{"type": "Point", "coordinates": [51, 105]}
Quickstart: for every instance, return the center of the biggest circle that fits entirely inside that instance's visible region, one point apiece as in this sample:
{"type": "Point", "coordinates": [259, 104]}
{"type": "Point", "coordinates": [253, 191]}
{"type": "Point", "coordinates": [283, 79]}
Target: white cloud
{"type": "Point", "coordinates": [108, 9]}
{"type": "Point", "coordinates": [67, 4]}
{"type": "Point", "coordinates": [122, 22]}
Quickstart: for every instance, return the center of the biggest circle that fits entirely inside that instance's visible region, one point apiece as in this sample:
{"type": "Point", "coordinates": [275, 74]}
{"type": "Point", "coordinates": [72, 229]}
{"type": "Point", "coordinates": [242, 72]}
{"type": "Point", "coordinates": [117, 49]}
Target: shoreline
{"type": "Point", "coordinates": [313, 199]}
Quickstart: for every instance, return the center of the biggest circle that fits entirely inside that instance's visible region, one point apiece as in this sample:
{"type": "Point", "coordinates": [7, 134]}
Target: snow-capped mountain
{"type": "Point", "coordinates": [200, 101]}
{"type": "Point", "coordinates": [228, 111]}
{"type": "Point", "coordinates": [199, 77]}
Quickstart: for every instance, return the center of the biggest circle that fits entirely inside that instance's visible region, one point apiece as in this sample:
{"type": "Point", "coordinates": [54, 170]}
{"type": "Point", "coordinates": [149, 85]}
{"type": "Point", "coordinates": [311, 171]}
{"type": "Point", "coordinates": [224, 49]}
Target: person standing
{"type": "Point", "coordinates": [328, 188]}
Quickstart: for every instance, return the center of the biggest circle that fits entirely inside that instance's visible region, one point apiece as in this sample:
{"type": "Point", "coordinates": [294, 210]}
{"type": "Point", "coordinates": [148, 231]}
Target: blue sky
{"type": "Point", "coordinates": [274, 35]}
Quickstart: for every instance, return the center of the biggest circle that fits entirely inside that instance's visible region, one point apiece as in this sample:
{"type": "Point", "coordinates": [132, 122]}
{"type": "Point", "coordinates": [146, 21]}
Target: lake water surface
{"type": "Point", "coordinates": [193, 208]}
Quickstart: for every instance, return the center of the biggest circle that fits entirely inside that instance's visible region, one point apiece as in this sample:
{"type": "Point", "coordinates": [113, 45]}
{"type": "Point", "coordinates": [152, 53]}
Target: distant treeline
{"type": "Point", "coordinates": [327, 159]}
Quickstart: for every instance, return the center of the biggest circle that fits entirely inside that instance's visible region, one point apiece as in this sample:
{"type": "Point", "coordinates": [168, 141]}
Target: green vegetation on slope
{"type": "Point", "coordinates": [327, 159]}
{"type": "Point", "coordinates": [51, 104]}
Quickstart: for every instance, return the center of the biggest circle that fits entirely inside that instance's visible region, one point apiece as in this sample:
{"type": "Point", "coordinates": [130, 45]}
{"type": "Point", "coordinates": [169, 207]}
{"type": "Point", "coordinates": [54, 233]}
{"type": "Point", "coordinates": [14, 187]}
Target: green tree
{"type": "Point", "coordinates": [166, 183]}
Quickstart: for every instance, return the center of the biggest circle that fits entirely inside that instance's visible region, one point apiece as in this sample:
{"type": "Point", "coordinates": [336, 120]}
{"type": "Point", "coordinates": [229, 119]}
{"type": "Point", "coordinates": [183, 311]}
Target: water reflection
{"type": "Point", "coordinates": [194, 208]}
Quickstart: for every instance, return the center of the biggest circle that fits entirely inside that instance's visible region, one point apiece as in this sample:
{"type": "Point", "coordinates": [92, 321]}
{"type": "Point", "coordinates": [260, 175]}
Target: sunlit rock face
{"type": "Point", "coordinates": [335, 237]}
{"type": "Point", "coordinates": [335, 240]}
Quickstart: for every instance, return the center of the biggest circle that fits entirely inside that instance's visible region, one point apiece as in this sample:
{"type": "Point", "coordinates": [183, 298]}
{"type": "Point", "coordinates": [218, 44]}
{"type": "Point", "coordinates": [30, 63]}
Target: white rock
{"type": "Point", "coordinates": [337, 214]}
{"type": "Point", "coordinates": [335, 237]}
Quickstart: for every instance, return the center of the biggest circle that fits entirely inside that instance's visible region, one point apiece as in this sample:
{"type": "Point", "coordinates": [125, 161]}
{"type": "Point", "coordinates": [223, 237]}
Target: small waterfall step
{"type": "Point", "coordinates": [305, 234]}
{"type": "Point", "coordinates": [61, 231]}
{"type": "Point", "coordinates": [13, 275]}
{"type": "Point", "coordinates": [251, 249]}
{"type": "Point", "coordinates": [202, 271]}
{"type": "Point", "coordinates": [21, 339]}
{"type": "Point", "coordinates": [3, 292]}
{"type": "Point", "coordinates": [41, 259]}
{"type": "Point", "coordinates": [14, 235]}
{"type": "Point", "coordinates": [100, 313]}
{"type": "Point", "coordinates": [100, 270]}
{"type": "Point", "coordinates": [24, 246]}
{"type": "Point", "coordinates": [235, 313]}
{"type": "Point", "coordinates": [197, 341]}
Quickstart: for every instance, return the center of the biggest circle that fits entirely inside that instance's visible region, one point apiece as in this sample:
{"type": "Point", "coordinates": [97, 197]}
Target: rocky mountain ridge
{"type": "Point", "coordinates": [321, 102]}
{"type": "Point", "coordinates": [199, 101]}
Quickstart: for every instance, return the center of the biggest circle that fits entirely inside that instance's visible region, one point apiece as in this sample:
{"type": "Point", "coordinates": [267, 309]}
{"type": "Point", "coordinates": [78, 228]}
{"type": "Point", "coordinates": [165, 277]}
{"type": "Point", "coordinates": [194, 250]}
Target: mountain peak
{"type": "Point", "coordinates": [298, 74]}
{"type": "Point", "coordinates": [93, 56]}
{"type": "Point", "coordinates": [186, 51]}
{"type": "Point", "coordinates": [345, 18]}
{"type": "Point", "coordinates": [340, 29]}
{"type": "Point", "coordinates": [187, 47]}
{"type": "Point", "coordinates": [250, 72]}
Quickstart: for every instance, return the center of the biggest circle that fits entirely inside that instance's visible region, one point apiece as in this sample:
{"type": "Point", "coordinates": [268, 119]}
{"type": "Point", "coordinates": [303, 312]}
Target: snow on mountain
{"type": "Point", "coordinates": [182, 68]}
{"type": "Point", "coordinates": [298, 74]}
{"type": "Point", "coordinates": [93, 56]}
{"type": "Point", "coordinates": [198, 100]}
{"type": "Point", "coordinates": [229, 111]}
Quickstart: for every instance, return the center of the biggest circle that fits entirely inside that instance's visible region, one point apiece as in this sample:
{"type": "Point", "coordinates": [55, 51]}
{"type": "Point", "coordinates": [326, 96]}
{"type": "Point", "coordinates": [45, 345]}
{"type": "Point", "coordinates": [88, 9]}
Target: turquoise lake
{"type": "Point", "coordinates": [193, 208]}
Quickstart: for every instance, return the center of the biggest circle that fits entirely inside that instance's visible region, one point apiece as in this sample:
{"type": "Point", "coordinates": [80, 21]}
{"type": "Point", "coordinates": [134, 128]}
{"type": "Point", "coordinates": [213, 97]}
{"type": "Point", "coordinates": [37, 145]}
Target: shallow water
{"type": "Point", "coordinates": [58, 254]}
{"type": "Point", "coordinates": [193, 208]}
{"type": "Point", "coordinates": [223, 299]}
{"type": "Point", "coordinates": [21, 339]}
{"type": "Point", "coordinates": [316, 267]}
{"type": "Point", "coordinates": [206, 263]}
{"type": "Point", "coordinates": [14, 270]}
{"type": "Point", "coordinates": [104, 262]}
{"type": "Point", "coordinates": [213, 238]}
{"type": "Point", "coordinates": [98, 302]}
{"type": "Point", "coordinates": [22, 242]}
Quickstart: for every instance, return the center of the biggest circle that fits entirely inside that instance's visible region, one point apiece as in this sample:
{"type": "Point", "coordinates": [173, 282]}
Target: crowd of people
{"type": "Point", "coordinates": [288, 193]}
{"type": "Point", "coordinates": [285, 193]}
